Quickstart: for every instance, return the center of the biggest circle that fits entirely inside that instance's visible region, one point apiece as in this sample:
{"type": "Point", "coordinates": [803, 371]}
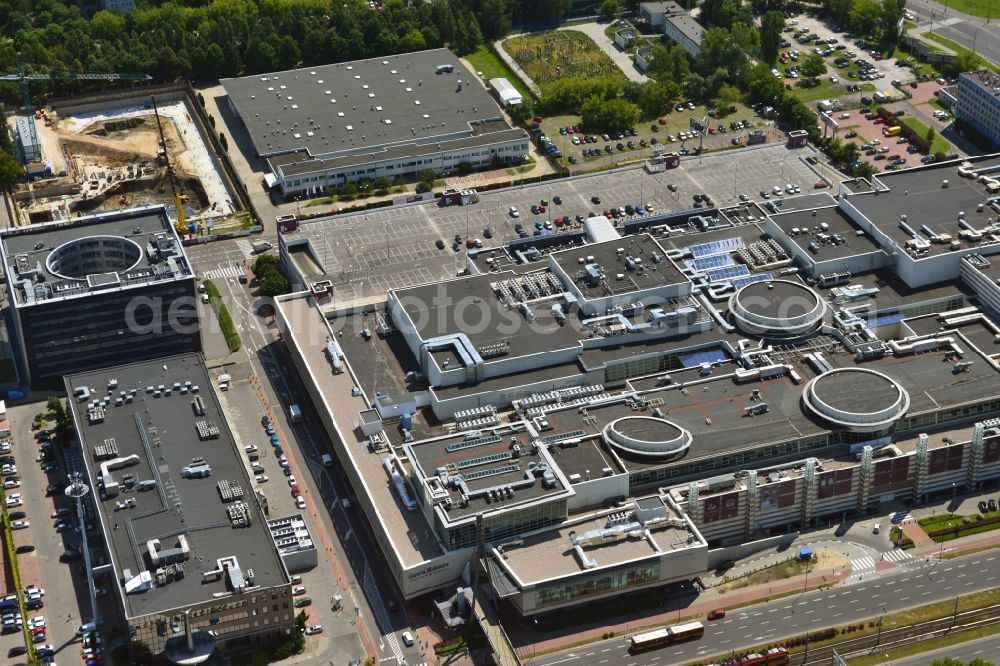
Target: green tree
{"type": "Point", "coordinates": [865, 170]}
{"type": "Point", "coordinates": [728, 96]}
{"type": "Point", "coordinates": [608, 114]}
{"type": "Point", "coordinates": [272, 283]}
{"type": "Point", "coordinates": [951, 661]}
{"type": "Point", "coordinates": [609, 8]}
{"type": "Point", "coordinates": [772, 25]}
{"type": "Point", "coordinates": [892, 14]}
{"type": "Point", "coordinates": [930, 134]}
{"type": "Point", "coordinates": [11, 169]}
{"type": "Point", "coordinates": [864, 15]}
{"type": "Point", "coordinates": [382, 184]}
{"type": "Point", "coordinates": [720, 13]}
{"type": "Point", "coordinates": [813, 66]}
{"type": "Point", "coordinates": [656, 98]}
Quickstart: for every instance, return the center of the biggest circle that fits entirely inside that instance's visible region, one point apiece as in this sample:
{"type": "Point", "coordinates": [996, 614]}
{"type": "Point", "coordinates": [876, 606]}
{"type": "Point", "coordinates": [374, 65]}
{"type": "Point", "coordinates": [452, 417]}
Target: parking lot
{"type": "Point", "coordinates": [64, 605]}
{"type": "Point", "coordinates": [605, 153]}
{"type": "Point", "coordinates": [823, 29]}
{"type": "Point", "coordinates": [395, 247]}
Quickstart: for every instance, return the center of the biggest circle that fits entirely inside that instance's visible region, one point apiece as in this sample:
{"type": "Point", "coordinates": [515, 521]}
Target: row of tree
{"type": "Point", "coordinates": [208, 39]}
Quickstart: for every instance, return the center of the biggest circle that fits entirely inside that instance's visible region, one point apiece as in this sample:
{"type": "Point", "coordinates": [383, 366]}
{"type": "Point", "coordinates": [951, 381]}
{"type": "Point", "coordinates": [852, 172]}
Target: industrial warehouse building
{"type": "Point", "coordinates": [651, 394]}
{"type": "Point", "coordinates": [193, 563]}
{"type": "Point", "coordinates": [424, 111]}
{"type": "Point", "coordinates": [89, 292]}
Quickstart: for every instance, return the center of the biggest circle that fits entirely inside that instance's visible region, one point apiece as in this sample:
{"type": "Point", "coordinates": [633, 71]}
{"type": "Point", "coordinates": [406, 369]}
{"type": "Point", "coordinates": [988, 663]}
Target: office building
{"type": "Point", "coordinates": [192, 562]}
{"type": "Point", "coordinates": [978, 103]}
{"type": "Point", "coordinates": [88, 292]}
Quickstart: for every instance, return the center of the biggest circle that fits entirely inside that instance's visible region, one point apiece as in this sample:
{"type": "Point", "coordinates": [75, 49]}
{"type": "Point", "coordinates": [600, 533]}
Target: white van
{"type": "Point", "coordinates": [327, 460]}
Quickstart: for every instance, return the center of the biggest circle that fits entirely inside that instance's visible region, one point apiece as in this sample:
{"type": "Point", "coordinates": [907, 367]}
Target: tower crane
{"type": "Point", "coordinates": [181, 224]}
{"type": "Point", "coordinates": [23, 78]}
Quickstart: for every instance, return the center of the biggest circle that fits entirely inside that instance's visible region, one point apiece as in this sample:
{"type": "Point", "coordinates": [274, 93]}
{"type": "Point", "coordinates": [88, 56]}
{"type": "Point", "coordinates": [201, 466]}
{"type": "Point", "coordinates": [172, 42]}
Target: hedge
{"type": "Point", "coordinates": [225, 320]}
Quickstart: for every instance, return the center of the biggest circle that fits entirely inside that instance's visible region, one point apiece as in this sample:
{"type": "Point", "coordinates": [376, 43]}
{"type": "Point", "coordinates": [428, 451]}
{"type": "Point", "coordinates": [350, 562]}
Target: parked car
{"type": "Point", "coordinates": [298, 590]}
{"type": "Point", "coordinates": [24, 548]}
{"type": "Point", "coordinates": [407, 639]}
{"type": "Point", "coordinates": [19, 524]}
{"type": "Point", "coordinates": [313, 630]}
{"type": "Point", "coordinates": [261, 478]}
{"type": "Point", "coordinates": [303, 602]}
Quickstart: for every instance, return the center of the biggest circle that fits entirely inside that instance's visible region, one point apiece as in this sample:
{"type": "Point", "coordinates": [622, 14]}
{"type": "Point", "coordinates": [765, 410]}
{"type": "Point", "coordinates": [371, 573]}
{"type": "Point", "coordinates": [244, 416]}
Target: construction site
{"type": "Point", "coordinates": [99, 159]}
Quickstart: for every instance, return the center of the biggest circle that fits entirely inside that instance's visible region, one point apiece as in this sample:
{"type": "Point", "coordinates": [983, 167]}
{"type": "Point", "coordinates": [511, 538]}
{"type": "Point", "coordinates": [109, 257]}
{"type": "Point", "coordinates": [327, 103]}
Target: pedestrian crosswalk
{"type": "Point", "coordinates": [897, 556]}
{"type": "Point", "coordinates": [378, 610]}
{"type": "Point", "coordinates": [224, 272]}
{"type": "Point", "coordinates": [245, 247]}
{"type": "Point", "coordinates": [861, 564]}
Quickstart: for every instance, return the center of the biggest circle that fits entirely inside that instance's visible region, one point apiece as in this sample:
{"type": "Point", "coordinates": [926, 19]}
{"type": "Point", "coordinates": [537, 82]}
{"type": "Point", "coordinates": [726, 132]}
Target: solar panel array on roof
{"type": "Point", "coordinates": [716, 247]}
{"type": "Point", "coordinates": [727, 273]}
{"type": "Point", "coordinates": [714, 261]}
{"type": "Point", "coordinates": [741, 282]}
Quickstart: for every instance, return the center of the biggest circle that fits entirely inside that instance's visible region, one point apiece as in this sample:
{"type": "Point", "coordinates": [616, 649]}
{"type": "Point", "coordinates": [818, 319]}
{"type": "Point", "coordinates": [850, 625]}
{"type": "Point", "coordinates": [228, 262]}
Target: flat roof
{"type": "Point", "coordinates": [489, 464]}
{"type": "Point", "coordinates": [57, 258]}
{"type": "Point", "coordinates": [986, 80]}
{"type": "Point", "coordinates": [918, 193]}
{"type": "Point", "coordinates": [683, 21]}
{"type": "Point", "coordinates": [773, 299]}
{"type": "Point", "coordinates": [360, 105]}
{"type": "Point", "coordinates": [550, 554]}
{"type": "Point", "coordinates": [808, 222]}
{"type": "Point", "coordinates": [155, 439]}
{"type": "Point", "coordinates": [470, 305]}
{"type": "Point", "coordinates": [658, 272]}
{"type": "Point", "coordinates": [407, 530]}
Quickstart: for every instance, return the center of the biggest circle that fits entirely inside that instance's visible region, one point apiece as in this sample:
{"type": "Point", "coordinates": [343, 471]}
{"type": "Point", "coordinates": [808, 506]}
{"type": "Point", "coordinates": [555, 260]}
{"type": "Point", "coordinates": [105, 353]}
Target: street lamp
{"type": "Point", "coordinates": [878, 638]}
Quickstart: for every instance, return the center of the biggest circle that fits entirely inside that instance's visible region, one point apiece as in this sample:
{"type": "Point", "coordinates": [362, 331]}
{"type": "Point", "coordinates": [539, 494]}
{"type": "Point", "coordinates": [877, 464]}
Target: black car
{"type": "Point", "coordinates": [629, 209]}
{"type": "Point", "coordinates": [458, 237]}
{"type": "Point", "coordinates": [16, 515]}
{"type": "Point", "coordinates": [595, 199]}
{"type": "Point", "coordinates": [557, 200]}
{"type": "Point", "coordinates": [287, 471]}
{"type": "Point", "coordinates": [697, 197]}
{"type": "Point", "coordinates": [983, 506]}
{"type": "Point", "coordinates": [439, 244]}
{"type": "Point", "coordinates": [26, 548]}
{"type": "Point", "coordinates": [518, 228]}
{"type": "Point", "coordinates": [630, 144]}
{"type": "Point", "coordinates": [993, 505]}
{"type": "Point", "coordinates": [243, 279]}
{"type": "Point", "coordinates": [608, 149]}
{"type": "Point", "coordinates": [487, 233]}
{"type": "Point", "coordinates": [620, 146]}
{"type": "Point", "coordinates": [17, 651]}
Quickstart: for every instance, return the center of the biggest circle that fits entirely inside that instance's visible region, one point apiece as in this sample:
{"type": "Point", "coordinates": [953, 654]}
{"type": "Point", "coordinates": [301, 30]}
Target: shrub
{"type": "Point", "coordinates": [225, 319]}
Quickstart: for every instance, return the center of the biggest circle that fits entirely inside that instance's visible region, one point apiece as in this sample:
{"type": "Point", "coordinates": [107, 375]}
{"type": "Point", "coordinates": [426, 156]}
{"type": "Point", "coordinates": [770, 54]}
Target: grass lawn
{"type": "Point", "coordinates": [886, 656]}
{"type": "Point", "coordinates": [938, 145]}
{"type": "Point", "coordinates": [974, 7]}
{"type": "Point", "coordinates": [791, 567]}
{"type": "Point", "coordinates": [491, 66]}
{"type": "Point", "coordinates": [548, 56]}
{"type": "Point", "coordinates": [958, 48]}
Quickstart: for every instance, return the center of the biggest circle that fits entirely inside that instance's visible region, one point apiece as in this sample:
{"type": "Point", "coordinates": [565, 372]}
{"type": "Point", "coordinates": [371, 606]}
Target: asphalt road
{"type": "Point", "coordinates": [972, 32]}
{"type": "Point", "coordinates": [369, 585]}
{"type": "Point", "coordinates": [984, 648]}
{"type": "Point", "coordinates": [906, 586]}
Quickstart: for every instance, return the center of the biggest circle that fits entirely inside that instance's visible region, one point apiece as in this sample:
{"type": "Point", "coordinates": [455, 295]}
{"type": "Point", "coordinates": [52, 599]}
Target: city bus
{"type": "Point", "coordinates": [666, 636]}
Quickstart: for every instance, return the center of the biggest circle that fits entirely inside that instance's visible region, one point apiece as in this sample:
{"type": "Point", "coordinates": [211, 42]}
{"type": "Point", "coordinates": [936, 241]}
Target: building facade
{"type": "Point", "coordinates": [978, 103]}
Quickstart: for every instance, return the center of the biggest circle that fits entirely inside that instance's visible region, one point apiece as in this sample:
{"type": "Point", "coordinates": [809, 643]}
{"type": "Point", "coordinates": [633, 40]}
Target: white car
{"type": "Point", "coordinates": [12, 483]}
{"type": "Point", "coordinates": [291, 481]}
{"type": "Point", "coordinates": [315, 629]}
{"type": "Point", "coordinates": [20, 524]}
{"type": "Point", "coordinates": [407, 639]}
{"type": "Point", "coordinates": [300, 503]}
{"type": "Point", "coordinates": [298, 590]}
{"type": "Point", "coordinates": [250, 448]}
{"type": "Point", "coordinates": [344, 502]}
{"type": "Point", "coordinates": [31, 589]}
{"type": "Point", "coordinates": [876, 528]}
{"type": "Point", "coordinates": [14, 500]}
{"type": "Point", "coordinates": [37, 621]}
{"type": "Point", "coordinates": [261, 478]}
{"type": "Point", "coordinates": [5, 447]}
{"type": "Point", "coordinates": [513, 211]}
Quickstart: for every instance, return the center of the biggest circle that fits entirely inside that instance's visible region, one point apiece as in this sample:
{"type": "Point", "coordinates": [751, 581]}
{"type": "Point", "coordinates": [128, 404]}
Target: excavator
{"type": "Point", "coordinates": [181, 224]}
